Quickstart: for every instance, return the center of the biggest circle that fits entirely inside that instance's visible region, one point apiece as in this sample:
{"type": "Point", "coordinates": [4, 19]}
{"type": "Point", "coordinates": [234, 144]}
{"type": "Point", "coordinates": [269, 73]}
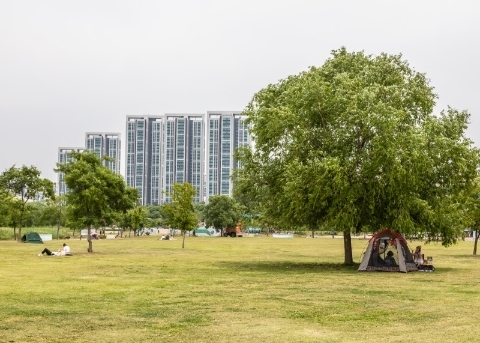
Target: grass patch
{"type": "Point", "coordinates": [231, 290]}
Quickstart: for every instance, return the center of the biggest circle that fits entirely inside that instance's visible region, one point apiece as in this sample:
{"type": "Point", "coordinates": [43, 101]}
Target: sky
{"type": "Point", "coordinates": [71, 67]}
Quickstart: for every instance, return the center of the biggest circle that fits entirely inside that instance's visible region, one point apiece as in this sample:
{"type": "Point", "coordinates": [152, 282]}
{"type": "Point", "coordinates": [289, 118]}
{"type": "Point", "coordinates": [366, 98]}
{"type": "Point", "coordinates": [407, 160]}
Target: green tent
{"type": "Point", "coordinates": [32, 237]}
{"type": "Point", "coordinates": [201, 231]}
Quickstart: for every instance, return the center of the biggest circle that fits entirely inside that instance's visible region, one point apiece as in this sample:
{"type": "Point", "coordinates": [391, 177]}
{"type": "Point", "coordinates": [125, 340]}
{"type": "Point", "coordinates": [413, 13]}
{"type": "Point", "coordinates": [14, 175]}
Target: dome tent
{"type": "Point", "coordinates": [387, 243]}
{"type": "Point", "coordinates": [32, 237]}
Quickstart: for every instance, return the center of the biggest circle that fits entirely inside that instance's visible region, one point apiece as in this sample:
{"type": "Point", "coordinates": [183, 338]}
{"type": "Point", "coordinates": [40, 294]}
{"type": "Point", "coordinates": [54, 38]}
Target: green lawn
{"type": "Point", "coordinates": [232, 290]}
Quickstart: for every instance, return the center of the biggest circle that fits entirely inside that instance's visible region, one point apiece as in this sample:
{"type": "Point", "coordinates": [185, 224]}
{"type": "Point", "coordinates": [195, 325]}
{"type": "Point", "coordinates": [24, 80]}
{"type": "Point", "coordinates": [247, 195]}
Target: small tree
{"type": "Point", "coordinates": [222, 212]}
{"type": "Point", "coordinates": [472, 217]}
{"type": "Point", "coordinates": [25, 184]}
{"type": "Point", "coordinates": [136, 218]}
{"type": "Point", "coordinates": [180, 213]}
{"type": "Point", "coordinates": [96, 193]}
{"type": "Point", "coordinates": [54, 213]}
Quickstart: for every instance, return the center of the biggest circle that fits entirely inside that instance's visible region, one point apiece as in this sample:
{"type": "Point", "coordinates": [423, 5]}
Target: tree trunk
{"type": "Point", "coordinates": [89, 239]}
{"type": "Point", "coordinates": [347, 245]}
{"type": "Point", "coordinates": [15, 233]}
{"type": "Point", "coordinates": [183, 241]}
{"type": "Point", "coordinates": [58, 222]}
{"type": "Point", "coordinates": [475, 242]}
{"type": "Point", "coordinates": [313, 233]}
{"type": "Point", "coordinates": [19, 237]}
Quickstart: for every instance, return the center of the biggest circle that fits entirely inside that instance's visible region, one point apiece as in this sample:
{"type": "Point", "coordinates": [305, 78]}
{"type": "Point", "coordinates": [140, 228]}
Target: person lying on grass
{"type": "Point", "coordinates": [65, 251]}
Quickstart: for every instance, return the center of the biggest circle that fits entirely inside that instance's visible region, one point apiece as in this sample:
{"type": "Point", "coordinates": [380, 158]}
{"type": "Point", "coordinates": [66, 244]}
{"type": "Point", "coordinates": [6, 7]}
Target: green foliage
{"type": "Point", "coordinates": [471, 214]}
{"type": "Point", "coordinates": [180, 212]}
{"type": "Point", "coordinates": [53, 212]}
{"type": "Point", "coordinates": [199, 209]}
{"type": "Point", "coordinates": [97, 195]}
{"type": "Point", "coordinates": [136, 218]}
{"type": "Point", "coordinates": [24, 184]}
{"type": "Point", "coordinates": [155, 215]}
{"type": "Point", "coordinates": [222, 212]}
{"type": "Point", "coordinates": [6, 200]}
{"type": "Point", "coordinates": [354, 145]}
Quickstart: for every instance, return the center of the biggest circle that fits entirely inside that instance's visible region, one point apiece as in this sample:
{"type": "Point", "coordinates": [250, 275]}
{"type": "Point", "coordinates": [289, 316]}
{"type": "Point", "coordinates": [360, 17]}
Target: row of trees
{"type": "Point", "coordinates": [98, 198]}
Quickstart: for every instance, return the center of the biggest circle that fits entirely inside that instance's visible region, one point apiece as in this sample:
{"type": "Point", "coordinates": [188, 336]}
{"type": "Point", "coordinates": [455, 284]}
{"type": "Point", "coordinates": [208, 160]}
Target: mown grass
{"type": "Point", "coordinates": [232, 290]}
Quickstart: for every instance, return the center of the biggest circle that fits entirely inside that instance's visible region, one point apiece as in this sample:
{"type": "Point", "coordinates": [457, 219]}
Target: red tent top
{"type": "Point", "coordinates": [388, 232]}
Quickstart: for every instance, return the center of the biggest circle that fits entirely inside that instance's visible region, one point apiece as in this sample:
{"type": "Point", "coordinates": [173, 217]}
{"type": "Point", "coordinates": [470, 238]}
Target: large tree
{"type": "Point", "coordinates": [222, 212]}
{"type": "Point", "coordinates": [180, 213]}
{"type": "Point", "coordinates": [354, 145]}
{"type": "Point", "coordinates": [96, 194]}
{"type": "Point", "coordinates": [25, 185]}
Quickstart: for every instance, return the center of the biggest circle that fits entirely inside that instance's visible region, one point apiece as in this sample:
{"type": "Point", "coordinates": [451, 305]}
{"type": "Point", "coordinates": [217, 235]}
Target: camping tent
{"type": "Point", "coordinates": [32, 237]}
{"type": "Point", "coordinates": [387, 243]}
{"type": "Point", "coordinates": [201, 231]}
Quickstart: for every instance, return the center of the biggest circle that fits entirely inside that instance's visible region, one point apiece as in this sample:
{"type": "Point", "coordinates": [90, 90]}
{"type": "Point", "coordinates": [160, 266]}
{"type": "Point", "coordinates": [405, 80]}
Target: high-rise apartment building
{"type": "Point", "coordinates": [184, 158]}
{"type": "Point", "coordinates": [144, 151]}
{"type": "Point", "coordinates": [64, 157]}
{"type": "Point", "coordinates": [163, 150]}
{"type": "Point", "coordinates": [226, 131]}
{"type": "Point", "coordinates": [105, 144]}
{"type": "Point", "coordinates": [176, 148]}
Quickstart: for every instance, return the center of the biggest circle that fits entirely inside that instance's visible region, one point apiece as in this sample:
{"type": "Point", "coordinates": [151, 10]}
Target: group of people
{"type": "Point", "coordinates": [417, 257]}
{"type": "Point", "coordinates": [64, 251]}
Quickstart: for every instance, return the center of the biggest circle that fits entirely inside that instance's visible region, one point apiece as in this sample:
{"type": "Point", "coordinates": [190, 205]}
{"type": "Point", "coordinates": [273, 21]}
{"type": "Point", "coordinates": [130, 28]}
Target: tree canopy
{"type": "Point", "coordinates": [136, 218]}
{"type": "Point", "coordinates": [222, 212]}
{"type": "Point", "coordinates": [96, 194]}
{"type": "Point", "coordinates": [180, 213]}
{"type": "Point", "coordinates": [354, 145]}
{"type": "Point", "coordinates": [24, 185]}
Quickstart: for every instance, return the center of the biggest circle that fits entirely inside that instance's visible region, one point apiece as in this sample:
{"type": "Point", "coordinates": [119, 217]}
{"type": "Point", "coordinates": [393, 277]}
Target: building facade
{"type": "Point", "coordinates": [164, 150]}
{"type": "Point", "coordinates": [105, 144]}
{"type": "Point", "coordinates": [144, 154]}
{"type": "Point", "coordinates": [177, 148]}
{"type": "Point", "coordinates": [226, 131]}
{"type": "Point", "coordinates": [64, 157]}
{"type": "Point", "coordinates": [184, 158]}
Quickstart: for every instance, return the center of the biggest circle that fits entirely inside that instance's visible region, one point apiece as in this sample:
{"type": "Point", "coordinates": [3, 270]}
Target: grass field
{"type": "Point", "coordinates": [232, 290]}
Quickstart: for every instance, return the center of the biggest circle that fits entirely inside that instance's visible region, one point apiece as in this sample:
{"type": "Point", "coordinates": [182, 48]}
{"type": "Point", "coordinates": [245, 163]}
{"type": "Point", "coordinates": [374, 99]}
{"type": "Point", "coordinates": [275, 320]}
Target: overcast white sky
{"type": "Point", "coordinates": [68, 67]}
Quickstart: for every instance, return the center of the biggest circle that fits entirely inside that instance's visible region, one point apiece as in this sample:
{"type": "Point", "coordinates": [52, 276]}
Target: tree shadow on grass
{"type": "Point", "coordinates": [286, 266]}
{"type": "Point", "coordinates": [469, 256]}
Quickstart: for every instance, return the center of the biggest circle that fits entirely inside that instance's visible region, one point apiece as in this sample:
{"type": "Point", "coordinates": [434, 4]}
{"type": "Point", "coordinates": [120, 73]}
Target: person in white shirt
{"type": "Point", "coordinates": [418, 256]}
{"type": "Point", "coordinates": [65, 251]}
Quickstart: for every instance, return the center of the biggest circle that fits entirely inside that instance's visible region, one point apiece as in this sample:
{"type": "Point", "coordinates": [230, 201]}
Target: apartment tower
{"type": "Point", "coordinates": [226, 131]}
{"type": "Point", "coordinates": [105, 144]}
{"type": "Point", "coordinates": [64, 157]}
{"type": "Point", "coordinates": [164, 150]}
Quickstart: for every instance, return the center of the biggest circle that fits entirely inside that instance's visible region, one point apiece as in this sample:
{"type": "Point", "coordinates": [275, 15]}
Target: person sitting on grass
{"type": "Point", "coordinates": [418, 256]}
{"type": "Point", "coordinates": [390, 260]}
{"type": "Point", "coordinates": [65, 251]}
